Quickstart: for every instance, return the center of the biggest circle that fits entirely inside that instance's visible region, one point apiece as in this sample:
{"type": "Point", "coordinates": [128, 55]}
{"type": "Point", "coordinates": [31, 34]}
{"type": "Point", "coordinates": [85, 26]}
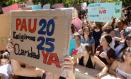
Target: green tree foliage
{"type": "Point", "coordinates": [4, 3]}
{"type": "Point", "coordinates": [67, 3]}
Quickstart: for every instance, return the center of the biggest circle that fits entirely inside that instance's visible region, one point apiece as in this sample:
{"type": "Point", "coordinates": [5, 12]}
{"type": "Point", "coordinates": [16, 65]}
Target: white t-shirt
{"type": "Point", "coordinates": [81, 49]}
{"type": "Point", "coordinates": [6, 70]}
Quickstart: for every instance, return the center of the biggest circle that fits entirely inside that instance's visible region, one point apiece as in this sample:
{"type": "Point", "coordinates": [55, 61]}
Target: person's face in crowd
{"type": "Point", "coordinates": [86, 32]}
{"type": "Point", "coordinates": [73, 29]}
{"type": "Point", "coordinates": [126, 12]}
{"type": "Point", "coordinates": [120, 25]}
{"type": "Point", "coordinates": [96, 28]}
{"type": "Point", "coordinates": [103, 41]}
{"type": "Point", "coordinates": [84, 24]}
{"type": "Point", "coordinates": [3, 59]}
{"type": "Point", "coordinates": [127, 56]}
{"type": "Point", "coordinates": [128, 41]}
{"type": "Point", "coordinates": [112, 33]}
{"type": "Point", "coordinates": [107, 28]}
{"type": "Point", "coordinates": [77, 38]}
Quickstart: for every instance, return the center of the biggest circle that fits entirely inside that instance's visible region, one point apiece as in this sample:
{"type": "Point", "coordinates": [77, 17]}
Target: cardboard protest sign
{"type": "Point", "coordinates": [41, 38]}
{"type": "Point", "coordinates": [4, 30]}
{"type": "Point", "coordinates": [100, 12]}
{"type": "Point", "coordinates": [104, 12]}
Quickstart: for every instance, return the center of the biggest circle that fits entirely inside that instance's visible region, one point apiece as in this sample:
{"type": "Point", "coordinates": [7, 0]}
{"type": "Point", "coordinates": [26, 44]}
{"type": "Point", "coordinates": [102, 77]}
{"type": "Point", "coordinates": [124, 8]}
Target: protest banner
{"type": "Point", "coordinates": [104, 12]}
{"type": "Point", "coordinates": [41, 38]}
{"type": "Point", "coordinates": [4, 30]}
{"type": "Point", "coordinates": [100, 12]}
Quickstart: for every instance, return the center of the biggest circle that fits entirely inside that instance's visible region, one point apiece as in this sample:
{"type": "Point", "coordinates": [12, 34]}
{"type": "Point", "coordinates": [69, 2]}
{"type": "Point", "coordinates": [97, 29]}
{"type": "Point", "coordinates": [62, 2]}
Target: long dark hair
{"type": "Point", "coordinates": [87, 28]}
{"type": "Point", "coordinates": [89, 49]}
{"type": "Point", "coordinates": [126, 50]}
{"type": "Point", "coordinates": [73, 29]}
{"type": "Point", "coordinates": [108, 38]}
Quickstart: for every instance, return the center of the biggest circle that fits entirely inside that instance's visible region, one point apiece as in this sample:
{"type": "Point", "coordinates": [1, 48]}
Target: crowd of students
{"type": "Point", "coordinates": [107, 45]}
{"type": "Point", "coordinates": [98, 45]}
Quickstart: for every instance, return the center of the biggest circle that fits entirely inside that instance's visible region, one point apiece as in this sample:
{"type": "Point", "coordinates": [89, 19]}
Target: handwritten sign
{"type": "Point", "coordinates": [103, 12]}
{"type": "Point", "coordinates": [100, 12]}
{"type": "Point", "coordinates": [41, 37]}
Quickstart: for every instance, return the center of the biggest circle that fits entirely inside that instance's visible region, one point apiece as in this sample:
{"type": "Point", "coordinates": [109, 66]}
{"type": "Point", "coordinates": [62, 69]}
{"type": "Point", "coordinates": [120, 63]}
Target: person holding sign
{"type": "Point", "coordinates": [84, 56]}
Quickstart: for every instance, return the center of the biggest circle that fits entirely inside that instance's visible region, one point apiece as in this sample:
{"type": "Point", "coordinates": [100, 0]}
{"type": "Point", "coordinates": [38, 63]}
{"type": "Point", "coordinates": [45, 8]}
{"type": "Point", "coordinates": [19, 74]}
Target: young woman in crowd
{"type": "Point", "coordinates": [84, 25]}
{"type": "Point", "coordinates": [73, 29]}
{"type": "Point", "coordinates": [97, 32]}
{"type": "Point", "coordinates": [128, 40]}
{"type": "Point", "coordinates": [122, 69]}
{"type": "Point", "coordinates": [104, 52]}
{"type": "Point", "coordinates": [120, 25]}
{"type": "Point", "coordinates": [85, 56]}
{"type": "Point", "coordinates": [117, 43]}
{"type": "Point", "coordinates": [123, 45]}
{"type": "Point", "coordinates": [87, 38]}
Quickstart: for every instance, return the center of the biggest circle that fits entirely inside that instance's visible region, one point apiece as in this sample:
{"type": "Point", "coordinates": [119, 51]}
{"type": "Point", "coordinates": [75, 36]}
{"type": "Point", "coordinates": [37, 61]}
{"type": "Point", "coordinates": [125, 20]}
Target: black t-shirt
{"type": "Point", "coordinates": [97, 36]}
{"type": "Point", "coordinates": [110, 55]}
